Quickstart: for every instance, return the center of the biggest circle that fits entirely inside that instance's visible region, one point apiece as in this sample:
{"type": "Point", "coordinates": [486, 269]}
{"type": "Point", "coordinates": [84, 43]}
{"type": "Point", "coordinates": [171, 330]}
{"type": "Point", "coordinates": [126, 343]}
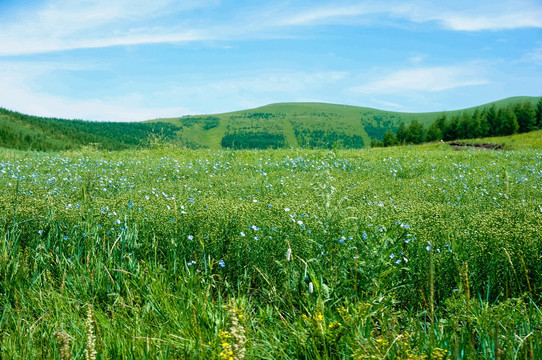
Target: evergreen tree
{"type": "Point", "coordinates": [483, 124]}
{"type": "Point", "coordinates": [508, 123]}
{"type": "Point", "coordinates": [390, 139]}
{"type": "Point", "coordinates": [539, 114]}
{"type": "Point", "coordinates": [452, 130]}
{"type": "Point", "coordinates": [415, 133]}
{"type": "Point", "coordinates": [526, 116]}
{"type": "Point", "coordinates": [492, 121]}
{"type": "Point", "coordinates": [433, 132]}
{"type": "Point", "coordinates": [401, 133]}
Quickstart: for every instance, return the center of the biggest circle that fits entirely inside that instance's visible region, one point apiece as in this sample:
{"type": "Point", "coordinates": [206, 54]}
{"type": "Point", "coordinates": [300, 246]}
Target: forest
{"type": "Point", "coordinates": [520, 117]}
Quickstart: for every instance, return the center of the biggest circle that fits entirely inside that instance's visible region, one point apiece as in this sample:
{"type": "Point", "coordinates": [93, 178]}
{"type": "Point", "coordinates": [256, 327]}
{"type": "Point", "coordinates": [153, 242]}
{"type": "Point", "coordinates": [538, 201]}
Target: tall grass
{"type": "Point", "coordinates": [271, 254]}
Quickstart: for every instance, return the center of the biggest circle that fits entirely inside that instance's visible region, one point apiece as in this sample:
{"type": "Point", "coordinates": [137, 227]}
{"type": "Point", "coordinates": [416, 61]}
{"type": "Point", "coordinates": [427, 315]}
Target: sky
{"type": "Point", "coordinates": [133, 60]}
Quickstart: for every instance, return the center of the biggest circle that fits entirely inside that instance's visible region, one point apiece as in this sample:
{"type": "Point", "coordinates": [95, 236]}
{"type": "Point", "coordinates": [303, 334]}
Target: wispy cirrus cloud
{"type": "Point", "coordinates": [426, 79]}
{"type": "Point", "coordinates": [63, 25]}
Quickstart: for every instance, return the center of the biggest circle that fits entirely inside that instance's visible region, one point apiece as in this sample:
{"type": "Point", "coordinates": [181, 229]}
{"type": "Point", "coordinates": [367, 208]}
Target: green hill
{"type": "Point", "coordinates": [311, 125]}
{"type": "Point", "coordinates": [282, 125]}
{"type": "Point", "coordinates": [26, 132]}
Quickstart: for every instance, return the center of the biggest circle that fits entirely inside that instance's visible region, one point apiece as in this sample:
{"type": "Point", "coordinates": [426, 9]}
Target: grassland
{"type": "Point", "coordinates": [412, 253]}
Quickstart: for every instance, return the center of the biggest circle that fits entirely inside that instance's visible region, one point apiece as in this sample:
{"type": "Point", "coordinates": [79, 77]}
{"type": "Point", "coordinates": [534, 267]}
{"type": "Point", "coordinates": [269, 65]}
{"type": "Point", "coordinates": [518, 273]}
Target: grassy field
{"type": "Point", "coordinates": [408, 253]}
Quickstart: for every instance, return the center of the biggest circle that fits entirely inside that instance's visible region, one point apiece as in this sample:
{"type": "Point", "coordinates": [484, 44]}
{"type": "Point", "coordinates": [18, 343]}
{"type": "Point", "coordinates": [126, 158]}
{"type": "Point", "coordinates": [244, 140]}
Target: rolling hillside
{"type": "Point", "coordinates": [283, 125]}
{"type": "Point", "coordinates": [26, 132]}
{"type": "Point", "coordinates": [304, 125]}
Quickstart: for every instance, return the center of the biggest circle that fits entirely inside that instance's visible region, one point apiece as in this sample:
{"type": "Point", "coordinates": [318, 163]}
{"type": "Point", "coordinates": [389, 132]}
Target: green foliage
{"type": "Point", "coordinates": [253, 140]}
{"type": "Point", "coordinates": [168, 253]}
{"type": "Point", "coordinates": [24, 132]}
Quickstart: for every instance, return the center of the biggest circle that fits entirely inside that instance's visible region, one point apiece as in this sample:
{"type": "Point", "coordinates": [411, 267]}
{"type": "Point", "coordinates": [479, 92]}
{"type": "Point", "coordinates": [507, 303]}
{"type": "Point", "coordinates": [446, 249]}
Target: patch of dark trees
{"type": "Point", "coordinates": [327, 139]}
{"type": "Point", "coordinates": [520, 117]}
{"type": "Point", "coordinates": [207, 122]}
{"type": "Point", "coordinates": [253, 140]}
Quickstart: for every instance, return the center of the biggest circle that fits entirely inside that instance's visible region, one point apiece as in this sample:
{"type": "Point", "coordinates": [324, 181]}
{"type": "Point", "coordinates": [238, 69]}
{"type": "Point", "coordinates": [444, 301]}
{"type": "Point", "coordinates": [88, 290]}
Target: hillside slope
{"type": "Point", "coordinates": [26, 132]}
{"type": "Point", "coordinates": [282, 125]}
{"type": "Point", "coordinates": [304, 125]}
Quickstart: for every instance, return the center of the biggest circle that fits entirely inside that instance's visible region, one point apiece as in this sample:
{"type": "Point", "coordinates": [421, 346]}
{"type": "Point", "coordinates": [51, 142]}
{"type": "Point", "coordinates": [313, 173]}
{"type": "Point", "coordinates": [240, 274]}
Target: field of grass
{"type": "Point", "coordinates": [408, 253]}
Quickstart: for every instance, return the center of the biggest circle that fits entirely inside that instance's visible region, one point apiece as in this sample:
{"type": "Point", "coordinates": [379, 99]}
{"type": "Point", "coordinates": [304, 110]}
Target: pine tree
{"type": "Point", "coordinates": [526, 116]}
{"type": "Point", "coordinates": [539, 114]}
{"type": "Point", "coordinates": [390, 139]}
{"type": "Point", "coordinates": [508, 123]}
{"type": "Point", "coordinates": [401, 133]}
{"type": "Point", "coordinates": [491, 118]}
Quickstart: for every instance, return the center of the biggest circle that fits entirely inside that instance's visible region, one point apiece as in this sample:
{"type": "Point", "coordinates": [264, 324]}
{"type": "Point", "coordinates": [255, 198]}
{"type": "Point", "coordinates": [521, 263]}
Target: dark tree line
{"type": "Point", "coordinates": [328, 139]}
{"type": "Point", "coordinates": [520, 117]}
{"type": "Point", "coordinates": [253, 140]}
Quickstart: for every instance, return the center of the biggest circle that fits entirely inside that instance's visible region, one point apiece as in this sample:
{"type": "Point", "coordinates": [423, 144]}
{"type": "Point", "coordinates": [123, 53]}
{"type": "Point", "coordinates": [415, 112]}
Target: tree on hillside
{"type": "Point", "coordinates": [526, 116]}
{"type": "Point", "coordinates": [508, 123]}
{"type": "Point", "coordinates": [491, 119]}
{"type": "Point", "coordinates": [539, 114]}
{"type": "Point", "coordinates": [390, 139]}
{"type": "Point", "coordinates": [452, 131]}
{"type": "Point", "coordinates": [401, 133]}
{"type": "Point", "coordinates": [483, 125]}
{"type": "Point", "coordinates": [415, 133]}
{"type": "Point", "coordinates": [433, 132]}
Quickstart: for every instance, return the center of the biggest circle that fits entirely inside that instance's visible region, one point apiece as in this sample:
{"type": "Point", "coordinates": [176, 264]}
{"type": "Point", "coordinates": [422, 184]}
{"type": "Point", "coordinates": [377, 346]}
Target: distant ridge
{"type": "Point", "coordinates": [310, 125]}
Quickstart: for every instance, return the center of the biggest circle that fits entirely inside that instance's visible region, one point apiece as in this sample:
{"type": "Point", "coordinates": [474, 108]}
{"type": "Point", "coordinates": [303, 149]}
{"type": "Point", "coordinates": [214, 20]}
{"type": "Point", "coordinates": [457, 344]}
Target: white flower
{"type": "Point", "coordinates": [288, 254]}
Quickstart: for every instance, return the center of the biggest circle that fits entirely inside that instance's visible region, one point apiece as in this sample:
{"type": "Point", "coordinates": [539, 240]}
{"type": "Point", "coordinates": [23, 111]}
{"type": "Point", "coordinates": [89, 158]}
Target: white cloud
{"type": "Point", "coordinates": [429, 79]}
{"type": "Point", "coordinates": [63, 25]}
{"type": "Point", "coordinates": [18, 92]}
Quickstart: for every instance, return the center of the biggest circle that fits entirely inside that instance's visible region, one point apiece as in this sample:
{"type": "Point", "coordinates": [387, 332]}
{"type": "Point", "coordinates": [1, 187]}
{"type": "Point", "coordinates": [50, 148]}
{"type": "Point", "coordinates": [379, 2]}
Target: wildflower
{"type": "Point", "coordinates": [364, 235]}
{"type": "Point", "coordinates": [191, 200]}
{"type": "Point", "coordinates": [242, 233]}
{"type": "Point", "coordinates": [190, 237]}
{"type": "Point", "coordinates": [286, 209]}
{"type": "Point", "coordinates": [288, 254]}
{"type": "Point", "coordinates": [222, 263]}
{"type": "Point", "coordinates": [311, 287]}
{"type": "Point", "coordinates": [40, 232]}
{"type": "Point", "coordinates": [255, 228]}
{"type": "Point", "coordinates": [428, 248]}
{"type": "Point", "coordinates": [392, 256]}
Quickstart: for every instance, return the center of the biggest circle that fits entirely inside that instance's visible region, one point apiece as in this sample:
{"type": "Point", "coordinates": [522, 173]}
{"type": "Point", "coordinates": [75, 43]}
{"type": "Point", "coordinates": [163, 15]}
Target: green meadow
{"type": "Point", "coordinates": [413, 252]}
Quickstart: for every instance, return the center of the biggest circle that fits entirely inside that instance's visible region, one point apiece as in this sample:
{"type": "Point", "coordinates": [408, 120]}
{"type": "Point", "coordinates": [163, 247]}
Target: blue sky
{"type": "Point", "coordinates": [130, 60]}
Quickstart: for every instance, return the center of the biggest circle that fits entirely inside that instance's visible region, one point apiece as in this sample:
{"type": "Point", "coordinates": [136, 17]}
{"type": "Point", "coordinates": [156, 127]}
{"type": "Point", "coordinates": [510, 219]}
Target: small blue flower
{"type": "Point", "coordinates": [255, 228]}
{"type": "Point", "coordinates": [392, 256]}
{"type": "Point", "coordinates": [190, 237]}
{"type": "Point", "coordinates": [191, 200]}
{"type": "Point", "coordinates": [242, 233]}
{"type": "Point", "coordinates": [40, 232]}
{"type": "Point", "coordinates": [364, 235]}
{"type": "Point", "coordinates": [222, 263]}
{"type": "Point", "coordinates": [428, 248]}
{"type": "Point", "coordinates": [130, 204]}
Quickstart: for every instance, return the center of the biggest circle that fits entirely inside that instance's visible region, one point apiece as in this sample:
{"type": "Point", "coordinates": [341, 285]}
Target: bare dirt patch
{"type": "Point", "coordinates": [473, 146]}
